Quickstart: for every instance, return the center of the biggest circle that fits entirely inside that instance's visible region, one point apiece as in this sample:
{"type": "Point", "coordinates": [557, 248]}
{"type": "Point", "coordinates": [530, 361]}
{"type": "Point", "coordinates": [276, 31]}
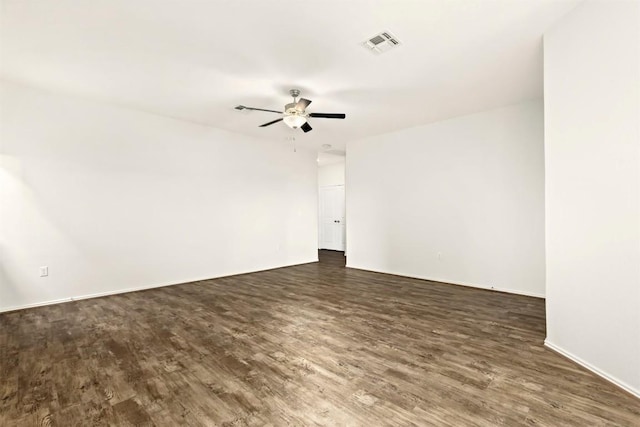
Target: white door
{"type": "Point", "coordinates": [332, 226]}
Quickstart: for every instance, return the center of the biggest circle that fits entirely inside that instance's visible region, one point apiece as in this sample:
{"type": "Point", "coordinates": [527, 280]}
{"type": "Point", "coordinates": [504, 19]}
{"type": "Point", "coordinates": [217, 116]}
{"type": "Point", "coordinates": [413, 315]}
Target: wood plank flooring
{"type": "Point", "coordinates": [316, 344]}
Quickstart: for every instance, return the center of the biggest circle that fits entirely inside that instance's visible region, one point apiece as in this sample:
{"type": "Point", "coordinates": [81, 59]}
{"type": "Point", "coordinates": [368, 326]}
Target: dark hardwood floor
{"type": "Point", "coordinates": [315, 344]}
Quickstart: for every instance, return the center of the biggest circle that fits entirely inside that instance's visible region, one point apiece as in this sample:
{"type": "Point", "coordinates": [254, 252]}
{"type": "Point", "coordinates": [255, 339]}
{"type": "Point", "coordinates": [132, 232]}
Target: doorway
{"type": "Point", "coordinates": [331, 218]}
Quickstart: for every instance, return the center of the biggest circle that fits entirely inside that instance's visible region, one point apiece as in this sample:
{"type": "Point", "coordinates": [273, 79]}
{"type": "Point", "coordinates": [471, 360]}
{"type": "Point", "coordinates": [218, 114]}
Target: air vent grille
{"type": "Point", "coordinates": [381, 42]}
{"type": "Point", "coordinates": [377, 40]}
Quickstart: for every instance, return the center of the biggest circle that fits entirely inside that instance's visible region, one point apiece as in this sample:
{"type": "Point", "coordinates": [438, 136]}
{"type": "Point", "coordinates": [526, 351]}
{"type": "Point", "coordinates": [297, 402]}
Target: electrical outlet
{"type": "Point", "coordinates": [44, 271]}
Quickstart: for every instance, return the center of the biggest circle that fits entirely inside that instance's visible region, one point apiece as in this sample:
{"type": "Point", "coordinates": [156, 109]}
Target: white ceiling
{"type": "Point", "coordinates": [196, 60]}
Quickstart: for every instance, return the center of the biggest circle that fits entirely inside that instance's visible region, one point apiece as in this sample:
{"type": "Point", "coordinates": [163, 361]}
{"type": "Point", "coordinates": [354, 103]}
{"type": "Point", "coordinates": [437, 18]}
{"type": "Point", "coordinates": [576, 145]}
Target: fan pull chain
{"type": "Point", "coordinates": [293, 142]}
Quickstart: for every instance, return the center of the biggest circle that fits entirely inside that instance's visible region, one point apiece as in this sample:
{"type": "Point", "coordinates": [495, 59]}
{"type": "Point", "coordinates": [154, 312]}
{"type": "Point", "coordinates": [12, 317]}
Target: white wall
{"type": "Point", "coordinates": [592, 137]}
{"type": "Point", "coordinates": [470, 189]}
{"type": "Point", "coordinates": [332, 174]}
{"type": "Point", "coordinates": [113, 199]}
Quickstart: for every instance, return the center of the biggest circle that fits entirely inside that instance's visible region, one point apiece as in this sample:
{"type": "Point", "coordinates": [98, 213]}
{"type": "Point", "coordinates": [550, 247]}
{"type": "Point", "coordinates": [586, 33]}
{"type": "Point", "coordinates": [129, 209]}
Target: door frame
{"type": "Point", "coordinates": [343, 217]}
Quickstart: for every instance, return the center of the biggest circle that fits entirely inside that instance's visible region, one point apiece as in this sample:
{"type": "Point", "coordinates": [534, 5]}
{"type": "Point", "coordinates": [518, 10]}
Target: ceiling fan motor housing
{"type": "Point", "coordinates": [290, 109]}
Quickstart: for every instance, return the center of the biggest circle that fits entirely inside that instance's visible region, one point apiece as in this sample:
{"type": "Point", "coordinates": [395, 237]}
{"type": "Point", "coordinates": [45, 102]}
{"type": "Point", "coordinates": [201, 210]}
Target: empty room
{"type": "Point", "coordinates": [320, 213]}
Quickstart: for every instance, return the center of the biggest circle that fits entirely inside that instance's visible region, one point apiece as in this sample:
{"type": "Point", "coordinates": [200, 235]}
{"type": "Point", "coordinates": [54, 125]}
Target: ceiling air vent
{"type": "Point", "coordinates": [381, 42]}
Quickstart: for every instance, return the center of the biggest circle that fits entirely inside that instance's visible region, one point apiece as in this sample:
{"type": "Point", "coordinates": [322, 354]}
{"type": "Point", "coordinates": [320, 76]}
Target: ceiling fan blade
{"type": "Point", "coordinates": [306, 127]}
{"type": "Point", "coordinates": [242, 107]}
{"type": "Point", "coordinates": [270, 123]}
{"type": "Point", "coordinates": [302, 104]}
{"type": "Point", "coordinates": [328, 115]}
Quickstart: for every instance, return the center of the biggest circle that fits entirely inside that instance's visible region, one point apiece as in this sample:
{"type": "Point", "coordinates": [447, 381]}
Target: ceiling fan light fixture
{"type": "Point", "coordinates": [294, 121]}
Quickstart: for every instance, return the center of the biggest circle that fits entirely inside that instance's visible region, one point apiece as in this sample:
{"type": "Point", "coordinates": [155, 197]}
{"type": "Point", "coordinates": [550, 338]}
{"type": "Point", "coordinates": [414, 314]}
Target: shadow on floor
{"type": "Point", "coordinates": [333, 258]}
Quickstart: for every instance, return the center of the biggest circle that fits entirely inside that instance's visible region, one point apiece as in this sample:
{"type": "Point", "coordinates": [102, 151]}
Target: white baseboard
{"type": "Point", "coordinates": [35, 304]}
{"type": "Point", "coordinates": [449, 282]}
{"type": "Point", "coordinates": [626, 387]}
{"type": "Point", "coordinates": [135, 289]}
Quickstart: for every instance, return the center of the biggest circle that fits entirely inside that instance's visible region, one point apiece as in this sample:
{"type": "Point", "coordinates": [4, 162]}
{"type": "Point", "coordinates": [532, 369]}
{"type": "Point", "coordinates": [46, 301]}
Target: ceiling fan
{"type": "Point", "coordinates": [294, 114]}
